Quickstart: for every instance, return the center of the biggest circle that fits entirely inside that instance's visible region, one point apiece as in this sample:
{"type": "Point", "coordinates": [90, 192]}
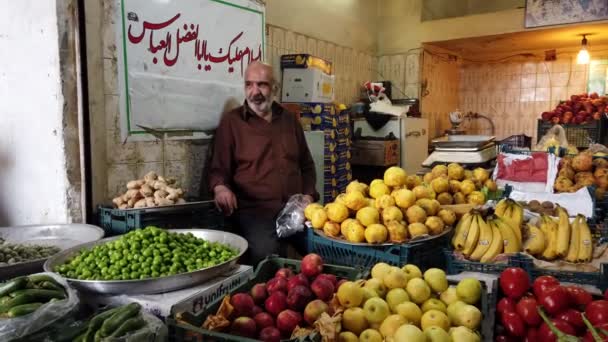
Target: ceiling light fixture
{"type": "Point", "coordinates": [583, 55]}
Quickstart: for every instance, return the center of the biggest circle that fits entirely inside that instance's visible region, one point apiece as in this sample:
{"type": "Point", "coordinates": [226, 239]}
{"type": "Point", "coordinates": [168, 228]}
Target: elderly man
{"type": "Point", "coordinates": [260, 158]}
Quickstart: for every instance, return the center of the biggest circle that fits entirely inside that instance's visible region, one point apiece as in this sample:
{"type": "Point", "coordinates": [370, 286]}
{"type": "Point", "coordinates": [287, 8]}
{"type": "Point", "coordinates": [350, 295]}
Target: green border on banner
{"type": "Point", "coordinates": [124, 50]}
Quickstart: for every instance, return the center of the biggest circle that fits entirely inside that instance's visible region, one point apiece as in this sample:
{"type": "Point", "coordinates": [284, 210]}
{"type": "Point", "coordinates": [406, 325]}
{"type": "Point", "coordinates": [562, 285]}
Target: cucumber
{"type": "Point", "coordinates": [39, 278]}
{"type": "Point", "coordinates": [22, 310]}
{"type": "Point", "coordinates": [51, 286]}
{"type": "Point", "coordinates": [41, 295]}
{"type": "Point", "coordinates": [72, 332]}
{"type": "Point", "coordinates": [112, 323]}
{"type": "Point", "coordinates": [19, 300]}
{"type": "Point", "coordinates": [80, 338]}
{"type": "Point", "coordinates": [5, 299]}
{"type": "Point", "coordinates": [132, 324]}
{"type": "Point", "coordinates": [96, 323]}
{"type": "Point", "coordinates": [13, 285]}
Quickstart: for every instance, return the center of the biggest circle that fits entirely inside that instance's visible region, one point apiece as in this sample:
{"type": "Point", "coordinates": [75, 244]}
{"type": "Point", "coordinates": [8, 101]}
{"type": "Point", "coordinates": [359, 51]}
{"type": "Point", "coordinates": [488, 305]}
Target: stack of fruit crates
{"type": "Point", "coordinates": [335, 124]}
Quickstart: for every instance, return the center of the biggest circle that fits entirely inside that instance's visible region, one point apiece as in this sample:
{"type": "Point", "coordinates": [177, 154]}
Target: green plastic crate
{"type": "Point", "coordinates": [196, 214]}
{"type": "Point", "coordinates": [265, 271]}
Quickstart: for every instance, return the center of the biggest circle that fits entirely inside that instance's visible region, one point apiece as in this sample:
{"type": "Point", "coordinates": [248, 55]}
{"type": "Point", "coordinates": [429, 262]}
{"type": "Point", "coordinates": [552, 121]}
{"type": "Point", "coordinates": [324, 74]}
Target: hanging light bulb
{"type": "Point", "coordinates": [583, 55]}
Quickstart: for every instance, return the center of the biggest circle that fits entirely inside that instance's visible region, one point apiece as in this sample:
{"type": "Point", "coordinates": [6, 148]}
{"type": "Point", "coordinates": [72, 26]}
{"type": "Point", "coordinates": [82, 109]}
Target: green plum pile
{"type": "Point", "coordinates": [146, 253]}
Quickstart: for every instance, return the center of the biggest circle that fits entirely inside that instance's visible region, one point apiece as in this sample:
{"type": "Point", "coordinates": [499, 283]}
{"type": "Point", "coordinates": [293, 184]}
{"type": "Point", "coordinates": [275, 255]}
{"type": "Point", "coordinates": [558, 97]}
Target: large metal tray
{"type": "Point", "coordinates": [463, 141]}
{"type": "Point", "coordinates": [154, 285]}
{"type": "Point", "coordinates": [63, 236]}
{"type": "Point", "coordinates": [415, 241]}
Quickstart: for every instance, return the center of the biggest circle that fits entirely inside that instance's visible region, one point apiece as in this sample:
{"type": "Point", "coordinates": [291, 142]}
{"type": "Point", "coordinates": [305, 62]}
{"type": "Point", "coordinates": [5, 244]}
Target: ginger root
{"type": "Point", "coordinates": [135, 184]}
{"type": "Point", "coordinates": [150, 191]}
{"type": "Point", "coordinates": [150, 176]}
{"type": "Point", "coordinates": [163, 201]}
{"type": "Point", "coordinates": [146, 190]}
{"type": "Point", "coordinates": [140, 204]}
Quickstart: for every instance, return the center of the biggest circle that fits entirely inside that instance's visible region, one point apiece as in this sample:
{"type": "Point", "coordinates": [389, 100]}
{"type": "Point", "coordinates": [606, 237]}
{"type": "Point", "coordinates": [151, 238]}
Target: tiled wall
{"type": "Point", "coordinates": [403, 70]}
{"type": "Point", "coordinates": [439, 92]}
{"type": "Point", "coordinates": [515, 93]}
{"type": "Point", "coordinates": [184, 160]}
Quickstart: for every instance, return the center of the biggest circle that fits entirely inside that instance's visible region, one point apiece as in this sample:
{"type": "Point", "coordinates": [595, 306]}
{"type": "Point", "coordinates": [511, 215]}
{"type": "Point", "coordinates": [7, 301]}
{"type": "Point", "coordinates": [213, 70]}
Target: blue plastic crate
{"type": "Point", "coordinates": [598, 279]}
{"type": "Point", "coordinates": [455, 266]}
{"type": "Point", "coordinates": [423, 254]}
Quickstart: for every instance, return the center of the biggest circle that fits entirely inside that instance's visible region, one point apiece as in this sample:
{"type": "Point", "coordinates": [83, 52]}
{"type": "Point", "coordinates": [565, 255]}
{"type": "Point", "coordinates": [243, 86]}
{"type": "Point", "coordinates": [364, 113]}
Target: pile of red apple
{"type": "Point", "coordinates": [272, 310]}
{"type": "Point", "coordinates": [545, 310]}
{"type": "Point", "coordinates": [579, 109]}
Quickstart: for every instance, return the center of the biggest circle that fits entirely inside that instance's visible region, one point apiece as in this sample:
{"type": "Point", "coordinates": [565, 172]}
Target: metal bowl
{"type": "Point", "coordinates": [63, 236]}
{"type": "Point", "coordinates": [154, 285]}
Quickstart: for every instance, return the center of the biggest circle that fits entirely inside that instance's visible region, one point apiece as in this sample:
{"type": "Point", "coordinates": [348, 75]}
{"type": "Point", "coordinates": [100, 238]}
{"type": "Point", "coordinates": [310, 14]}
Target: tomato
{"type": "Point", "coordinates": [572, 317]}
{"type": "Point", "coordinates": [546, 335]}
{"type": "Point", "coordinates": [505, 338]}
{"type": "Point", "coordinates": [526, 309]}
{"type": "Point", "coordinates": [531, 335]}
{"type": "Point", "coordinates": [542, 283]}
{"type": "Point", "coordinates": [513, 324]}
{"type": "Point", "coordinates": [597, 312]}
{"type": "Point", "coordinates": [554, 299]}
{"type": "Point", "coordinates": [514, 282]}
{"type": "Point", "coordinates": [579, 296]}
{"type": "Point", "coordinates": [505, 304]}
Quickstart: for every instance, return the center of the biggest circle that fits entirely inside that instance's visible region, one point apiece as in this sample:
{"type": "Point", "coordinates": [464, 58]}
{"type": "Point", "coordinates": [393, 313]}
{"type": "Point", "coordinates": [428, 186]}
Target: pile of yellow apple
{"type": "Point", "coordinates": [402, 304]}
{"type": "Point", "coordinates": [398, 207]}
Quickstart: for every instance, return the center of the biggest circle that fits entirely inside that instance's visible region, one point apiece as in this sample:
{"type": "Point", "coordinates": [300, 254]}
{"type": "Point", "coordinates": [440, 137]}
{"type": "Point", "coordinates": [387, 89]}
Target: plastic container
{"type": "Point", "coordinates": [579, 135]}
{"type": "Point", "coordinates": [455, 266]}
{"type": "Point", "coordinates": [424, 254]}
{"type": "Point", "coordinates": [200, 215]}
{"type": "Point", "coordinates": [265, 271]}
{"type": "Point", "coordinates": [516, 142]}
{"type": "Point", "coordinates": [598, 279]}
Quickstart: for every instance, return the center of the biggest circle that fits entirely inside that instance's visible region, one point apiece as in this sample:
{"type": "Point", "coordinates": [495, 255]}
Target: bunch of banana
{"type": "Point", "coordinates": [558, 239]}
{"type": "Point", "coordinates": [510, 210]}
{"type": "Point", "coordinates": [482, 240]}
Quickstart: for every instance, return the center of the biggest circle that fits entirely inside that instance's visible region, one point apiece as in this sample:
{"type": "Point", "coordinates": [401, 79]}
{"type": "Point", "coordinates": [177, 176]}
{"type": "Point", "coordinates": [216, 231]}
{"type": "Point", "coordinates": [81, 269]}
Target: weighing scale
{"type": "Point", "coordinates": [462, 149]}
{"type": "Point", "coordinates": [457, 147]}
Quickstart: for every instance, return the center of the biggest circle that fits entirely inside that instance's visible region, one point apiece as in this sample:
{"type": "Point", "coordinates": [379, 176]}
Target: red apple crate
{"type": "Point", "coordinates": [579, 135]}
{"type": "Point", "coordinates": [265, 271]}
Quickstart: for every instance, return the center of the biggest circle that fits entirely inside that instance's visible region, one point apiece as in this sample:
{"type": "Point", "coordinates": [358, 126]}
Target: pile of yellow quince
{"type": "Point", "coordinates": [394, 209]}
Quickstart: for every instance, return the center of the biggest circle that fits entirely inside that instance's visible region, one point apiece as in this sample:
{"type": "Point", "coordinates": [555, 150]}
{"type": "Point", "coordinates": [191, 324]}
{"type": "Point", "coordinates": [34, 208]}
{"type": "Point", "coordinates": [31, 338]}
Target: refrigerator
{"type": "Point", "coordinates": [413, 138]}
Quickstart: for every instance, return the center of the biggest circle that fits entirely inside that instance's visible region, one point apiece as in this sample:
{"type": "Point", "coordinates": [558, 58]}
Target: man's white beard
{"type": "Point", "coordinates": [263, 107]}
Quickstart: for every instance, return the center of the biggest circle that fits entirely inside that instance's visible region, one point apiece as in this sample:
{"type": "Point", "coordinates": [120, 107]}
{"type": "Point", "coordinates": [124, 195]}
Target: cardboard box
{"type": "Point", "coordinates": [194, 299]}
{"type": "Point", "coordinates": [305, 61]}
{"type": "Point", "coordinates": [375, 152]}
{"type": "Point", "coordinates": [307, 85]}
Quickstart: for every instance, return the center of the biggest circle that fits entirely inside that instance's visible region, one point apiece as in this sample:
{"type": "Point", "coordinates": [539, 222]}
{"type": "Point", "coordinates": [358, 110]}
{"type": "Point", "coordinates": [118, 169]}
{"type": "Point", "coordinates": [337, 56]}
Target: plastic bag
{"type": "Point", "coordinates": [597, 148]}
{"type": "Point", "coordinates": [555, 137]}
{"type": "Point", "coordinates": [291, 219]}
{"type": "Point", "coordinates": [154, 331]}
{"type": "Point", "coordinates": [46, 315]}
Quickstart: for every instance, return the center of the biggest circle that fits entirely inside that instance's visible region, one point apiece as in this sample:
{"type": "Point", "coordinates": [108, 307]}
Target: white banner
{"type": "Point", "coordinates": [181, 62]}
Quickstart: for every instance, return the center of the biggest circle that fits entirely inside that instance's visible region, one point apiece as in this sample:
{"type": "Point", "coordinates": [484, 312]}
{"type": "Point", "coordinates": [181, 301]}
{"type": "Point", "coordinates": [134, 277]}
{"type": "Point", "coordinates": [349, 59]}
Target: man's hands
{"type": "Point", "coordinates": [225, 200]}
